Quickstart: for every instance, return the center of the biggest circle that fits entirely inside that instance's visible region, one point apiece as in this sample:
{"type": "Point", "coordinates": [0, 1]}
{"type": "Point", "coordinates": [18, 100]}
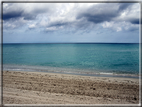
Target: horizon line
{"type": "Point", "coordinates": [75, 43]}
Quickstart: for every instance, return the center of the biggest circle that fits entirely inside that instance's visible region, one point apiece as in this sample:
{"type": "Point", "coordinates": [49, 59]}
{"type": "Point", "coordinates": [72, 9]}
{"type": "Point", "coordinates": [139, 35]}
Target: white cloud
{"type": "Point", "coordinates": [53, 16]}
{"type": "Point", "coordinates": [31, 26]}
{"type": "Point", "coordinates": [51, 28]}
{"type": "Point", "coordinates": [118, 29]}
{"type": "Point", "coordinates": [108, 24]}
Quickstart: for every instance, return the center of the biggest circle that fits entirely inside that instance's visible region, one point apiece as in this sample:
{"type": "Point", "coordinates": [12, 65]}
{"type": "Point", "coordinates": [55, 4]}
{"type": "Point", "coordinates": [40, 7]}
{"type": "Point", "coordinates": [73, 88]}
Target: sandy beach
{"type": "Point", "coordinates": [55, 88]}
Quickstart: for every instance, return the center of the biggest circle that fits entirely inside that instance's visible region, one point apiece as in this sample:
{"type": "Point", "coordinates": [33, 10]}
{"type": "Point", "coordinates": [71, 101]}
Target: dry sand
{"type": "Point", "coordinates": [52, 88]}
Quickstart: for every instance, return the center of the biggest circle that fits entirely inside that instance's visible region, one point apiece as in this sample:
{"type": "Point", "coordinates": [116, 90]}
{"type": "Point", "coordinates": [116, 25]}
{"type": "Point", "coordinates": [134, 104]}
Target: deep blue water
{"type": "Point", "coordinates": [73, 58]}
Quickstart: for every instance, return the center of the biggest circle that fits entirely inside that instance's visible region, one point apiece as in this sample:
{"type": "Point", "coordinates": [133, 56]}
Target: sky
{"type": "Point", "coordinates": [71, 22]}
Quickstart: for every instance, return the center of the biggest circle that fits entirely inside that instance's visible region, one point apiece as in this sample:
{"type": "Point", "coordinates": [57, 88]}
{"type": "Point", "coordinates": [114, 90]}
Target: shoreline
{"type": "Point", "coordinates": [70, 71]}
{"type": "Point", "coordinates": [54, 88]}
{"type": "Point", "coordinates": [113, 76]}
{"type": "Point", "coordinates": [84, 74]}
{"type": "Point", "coordinates": [97, 74]}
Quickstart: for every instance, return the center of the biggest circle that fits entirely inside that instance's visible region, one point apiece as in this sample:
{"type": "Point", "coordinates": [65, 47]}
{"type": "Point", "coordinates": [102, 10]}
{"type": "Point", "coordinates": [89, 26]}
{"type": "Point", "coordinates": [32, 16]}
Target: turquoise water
{"type": "Point", "coordinates": [73, 58]}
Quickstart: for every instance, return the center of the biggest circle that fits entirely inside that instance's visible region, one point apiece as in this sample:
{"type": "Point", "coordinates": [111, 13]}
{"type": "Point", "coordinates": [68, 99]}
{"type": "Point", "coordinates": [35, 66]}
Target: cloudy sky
{"type": "Point", "coordinates": [71, 22]}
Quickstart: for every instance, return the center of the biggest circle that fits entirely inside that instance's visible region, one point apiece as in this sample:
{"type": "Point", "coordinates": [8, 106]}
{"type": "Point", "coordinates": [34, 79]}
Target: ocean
{"type": "Point", "coordinates": [93, 59]}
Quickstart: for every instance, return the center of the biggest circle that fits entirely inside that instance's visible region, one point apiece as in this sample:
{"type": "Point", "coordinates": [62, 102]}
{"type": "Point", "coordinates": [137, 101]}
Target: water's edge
{"type": "Point", "coordinates": [66, 71]}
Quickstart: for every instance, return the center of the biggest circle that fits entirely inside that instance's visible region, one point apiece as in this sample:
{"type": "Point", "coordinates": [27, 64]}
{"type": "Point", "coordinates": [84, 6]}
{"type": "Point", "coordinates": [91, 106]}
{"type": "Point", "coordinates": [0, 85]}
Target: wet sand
{"type": "Point", "coordinates": [53, 88]}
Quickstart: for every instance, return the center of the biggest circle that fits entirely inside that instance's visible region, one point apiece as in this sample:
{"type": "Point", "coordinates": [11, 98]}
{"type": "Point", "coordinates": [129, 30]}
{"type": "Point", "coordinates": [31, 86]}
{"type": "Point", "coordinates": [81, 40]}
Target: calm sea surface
{"type": "Point", "coordinates": [72, 58]}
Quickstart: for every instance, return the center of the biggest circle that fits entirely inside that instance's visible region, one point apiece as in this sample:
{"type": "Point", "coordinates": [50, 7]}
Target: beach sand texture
{"type": "Point", "coordinates": [53, 88]}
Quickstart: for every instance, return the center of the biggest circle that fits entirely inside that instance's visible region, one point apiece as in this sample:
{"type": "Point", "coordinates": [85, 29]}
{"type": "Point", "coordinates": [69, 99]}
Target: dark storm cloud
{"type": "Point", "coordinates": [15, 11]}
{"type": "Point", "coordinates": [123, 6]}
{"type": "Point", "coordinates": [29, 16]}
{"type": "Point", "coordinates": [10, 15]}
{"type": "Point", "coordinates": [135, 21]}
{"type": "Point", "coordinates": [98, 18]}
{"type": "Point", "coordinates": [19, 14]}
{"type": "Point", "coordinates": [99, 15]}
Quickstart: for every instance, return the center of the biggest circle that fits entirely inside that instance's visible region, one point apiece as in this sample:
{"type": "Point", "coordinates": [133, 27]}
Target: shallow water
{"type": "Point", "coordinates": [73, 58]}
